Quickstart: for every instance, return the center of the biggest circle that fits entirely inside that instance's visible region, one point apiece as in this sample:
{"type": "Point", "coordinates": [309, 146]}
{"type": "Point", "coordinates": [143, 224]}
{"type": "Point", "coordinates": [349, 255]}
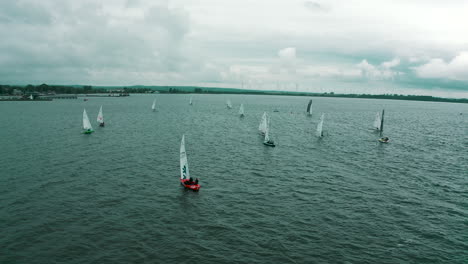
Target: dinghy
{"type": "Point", "coordinates": [319, 132]}
{"type": "Point", "coordinates": [382, 139]}
{"type": "Point", "coordinates": [241, 110]}
{"type": "Point", "coordinates": [268, 141]}
{"type": "Point", "coordinates": [191, 101]}
{"type": "Point", "coordinates": [153, 107]}
{"type": "Point", "coordinates": [100, 117]}
{"type": "Point", "coordinates": [185, 179]}
{"type": "Point", "coordinates": [309, 108]}
{"type": "Point", "coordinates": [229, 104]}
{"type": "Point", "coordinates": [88, 129]}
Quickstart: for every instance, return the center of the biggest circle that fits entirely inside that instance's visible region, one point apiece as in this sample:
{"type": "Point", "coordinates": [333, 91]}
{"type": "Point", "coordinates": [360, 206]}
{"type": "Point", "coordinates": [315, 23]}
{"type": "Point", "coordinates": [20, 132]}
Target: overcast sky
{"type": "Point", "coordinates": [374, 46]}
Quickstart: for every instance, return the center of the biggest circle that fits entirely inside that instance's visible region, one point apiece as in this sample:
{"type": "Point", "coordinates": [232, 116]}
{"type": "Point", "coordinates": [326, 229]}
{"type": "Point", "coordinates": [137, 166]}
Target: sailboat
{"type": "Point", "coordinates": [229, 104]}
{"type": "Point", "coordinates": [309, 108]}
{"type": "Point", "coordinates": [88, 129]}
{"type": "Point", "coordinates": [100, 117]}
{"type": "Point", "coordinates": [185, 179]}
{"type": "Point", "coordinates": [31, 97]}
{"type": "Point", "coordinates": [377, 121]}
{"type": "Point", "coordinates": [382, 139]}
{"type": "Point", "coordinates": [267, 141]}
{"type": "Point", "coordinates": [319, 132]}
{"type": "Point", "coordinates": [241, 110]}
{"type": "Point", "coordinates": [263, 124]}
{"type": "Point", "coordinates": [153, 107]}
{"type": "Point", "coordinates": [190, 103]}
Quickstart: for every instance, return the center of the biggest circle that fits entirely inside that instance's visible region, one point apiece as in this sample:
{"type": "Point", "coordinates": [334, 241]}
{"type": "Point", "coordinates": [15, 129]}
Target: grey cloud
{"type": "Point", "coordinates": [23, 12]}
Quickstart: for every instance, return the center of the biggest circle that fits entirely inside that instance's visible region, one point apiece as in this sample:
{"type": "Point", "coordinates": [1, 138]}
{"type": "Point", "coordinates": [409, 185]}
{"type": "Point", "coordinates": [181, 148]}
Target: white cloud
{"type": "Point", "coordinates": [456, 69]}
{"type": "Point", "coordinates": [382, 72]}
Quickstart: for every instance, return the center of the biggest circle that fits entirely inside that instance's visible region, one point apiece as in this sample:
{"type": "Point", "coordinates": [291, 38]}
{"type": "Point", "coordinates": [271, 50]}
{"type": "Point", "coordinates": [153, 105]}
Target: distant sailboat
{"type": "Point", "coordinates": [263, 124]}
{"type": "Point", "coordinates": [382, 139]}
{"type": "Point", "coordinates": [88, 129]}
{"type": "Point", "coordinates": [377, 121]}
{"type": "Point", "coordinates": [268, 141]}
{"type": "Point", "coordinates": [241, 110]}
{"type": "Point", "coordinates": [100, 118]}
{"type": "Point", "coordinates": [31, 97]}
{"type": "Point", "coordinates": [153, 107]}
{"type": "Point", "coordinates": [309, 108]}
{"type": "Point", "coordinates": [191, 102]}
{"type": "Point", "coordinates": [319, 132]}
{"type": "Point", "coordinates": [185, 178]}
{"type": "Point", "coordinates": [229, 104]}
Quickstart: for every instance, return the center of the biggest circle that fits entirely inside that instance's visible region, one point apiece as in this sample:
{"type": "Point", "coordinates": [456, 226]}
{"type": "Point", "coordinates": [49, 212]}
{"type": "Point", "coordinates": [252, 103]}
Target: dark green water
{"type": "Point", "coordinates": [114, 196]}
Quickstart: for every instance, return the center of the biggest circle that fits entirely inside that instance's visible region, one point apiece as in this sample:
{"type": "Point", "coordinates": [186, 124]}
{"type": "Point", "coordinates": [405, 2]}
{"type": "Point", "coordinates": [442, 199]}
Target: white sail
{"type": "Point", "coordinates": [241, 110]}
{"type": "Point", "coordinates": [229, 104]}
{"type": "Point", "coordinates": [263, 123]}
{"type": "Point", "coordinates": [319, 131]}
{"type": "Point", "coordinates": [184, 170]}
{"type": "Point", "coordinates": [377, 121]}
{"type": "Point", "coordinates": [86, 123]}
{"type": "Point", "coordinates": [100, 117]}
{"type": "Point", "coordinates": [267, 129]}
{"type": "Point", "coordinates": [154, 105]}
{"type": "Point", "coordinates": [190, 103]}
{"type": "Point", "coordinates": [31, 97]}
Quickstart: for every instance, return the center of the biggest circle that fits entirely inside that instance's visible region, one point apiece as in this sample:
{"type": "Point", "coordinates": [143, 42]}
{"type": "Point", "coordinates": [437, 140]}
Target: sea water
{"type": "Point", "coordinates": [114, 196]}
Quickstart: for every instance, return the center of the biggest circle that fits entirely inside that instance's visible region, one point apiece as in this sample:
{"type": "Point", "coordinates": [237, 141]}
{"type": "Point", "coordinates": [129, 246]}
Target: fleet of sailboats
{"type": "Point", "coordinates": [100, 118]}
{"type": "Point", "coordinates": [87, 128]}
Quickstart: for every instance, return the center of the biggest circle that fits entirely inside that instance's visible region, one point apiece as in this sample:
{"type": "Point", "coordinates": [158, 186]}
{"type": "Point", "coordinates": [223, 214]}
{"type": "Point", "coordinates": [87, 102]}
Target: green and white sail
{"type": "Point", "coordinates": [184, 169]}
{"type": "Point", "coordinates": [153, 107]}
{"type": "Point", "coordinates": [319, 132]}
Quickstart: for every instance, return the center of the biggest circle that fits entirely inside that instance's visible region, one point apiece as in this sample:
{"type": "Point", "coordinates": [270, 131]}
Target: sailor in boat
{"type": "Point", "coordinates": [384, 139]}
{"type": "Point", "coordinates": [101, 124]}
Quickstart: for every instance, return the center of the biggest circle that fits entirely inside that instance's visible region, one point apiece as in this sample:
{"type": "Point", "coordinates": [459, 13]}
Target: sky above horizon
{"type": "Point", "coordinates": [344, 46]}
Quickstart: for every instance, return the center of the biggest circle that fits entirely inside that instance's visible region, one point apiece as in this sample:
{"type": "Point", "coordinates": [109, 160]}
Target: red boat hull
{"type": "Point", "coordinates": [193, 187]}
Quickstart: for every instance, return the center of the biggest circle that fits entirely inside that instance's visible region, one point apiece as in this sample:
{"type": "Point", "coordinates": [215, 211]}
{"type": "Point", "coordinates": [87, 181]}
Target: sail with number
{"type": "Point", "coordinates": [309, 107]}
{"type": "Point", "coordinates": [263, 123]}
{"type": "Point", "coordinates": [100, 117]}
{"type": "Point", "coordinates": [319, 131]}
{"type": "Point", "coordinates": [184, 170]}
{"type": "Point", "coordinates": [153, 107]}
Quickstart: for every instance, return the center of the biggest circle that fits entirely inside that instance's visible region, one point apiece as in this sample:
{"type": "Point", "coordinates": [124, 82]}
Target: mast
{"type": "Point", "coordinates": [381, 122]}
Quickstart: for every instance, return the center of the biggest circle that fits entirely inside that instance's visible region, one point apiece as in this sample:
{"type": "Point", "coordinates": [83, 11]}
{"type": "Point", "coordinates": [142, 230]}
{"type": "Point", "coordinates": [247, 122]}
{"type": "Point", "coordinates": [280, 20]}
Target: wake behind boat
{"type": "Point", "coordinates": [185, 179]}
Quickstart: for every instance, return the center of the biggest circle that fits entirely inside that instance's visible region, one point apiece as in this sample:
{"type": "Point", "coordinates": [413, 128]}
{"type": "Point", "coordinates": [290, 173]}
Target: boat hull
{"type": "Point", "coordinates": [193, 187]}
{"type": "Point", "coordinates": [383, 141]}
{"type": "Point", "coordinates": [88, 132]}
{"type": "Point", "coordinates": [269, 144]}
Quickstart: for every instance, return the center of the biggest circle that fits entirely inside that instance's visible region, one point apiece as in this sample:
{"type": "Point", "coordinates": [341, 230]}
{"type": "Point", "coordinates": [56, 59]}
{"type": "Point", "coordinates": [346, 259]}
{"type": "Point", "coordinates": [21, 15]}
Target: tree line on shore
{"type": "Point", "coordinates": [88, 89]}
